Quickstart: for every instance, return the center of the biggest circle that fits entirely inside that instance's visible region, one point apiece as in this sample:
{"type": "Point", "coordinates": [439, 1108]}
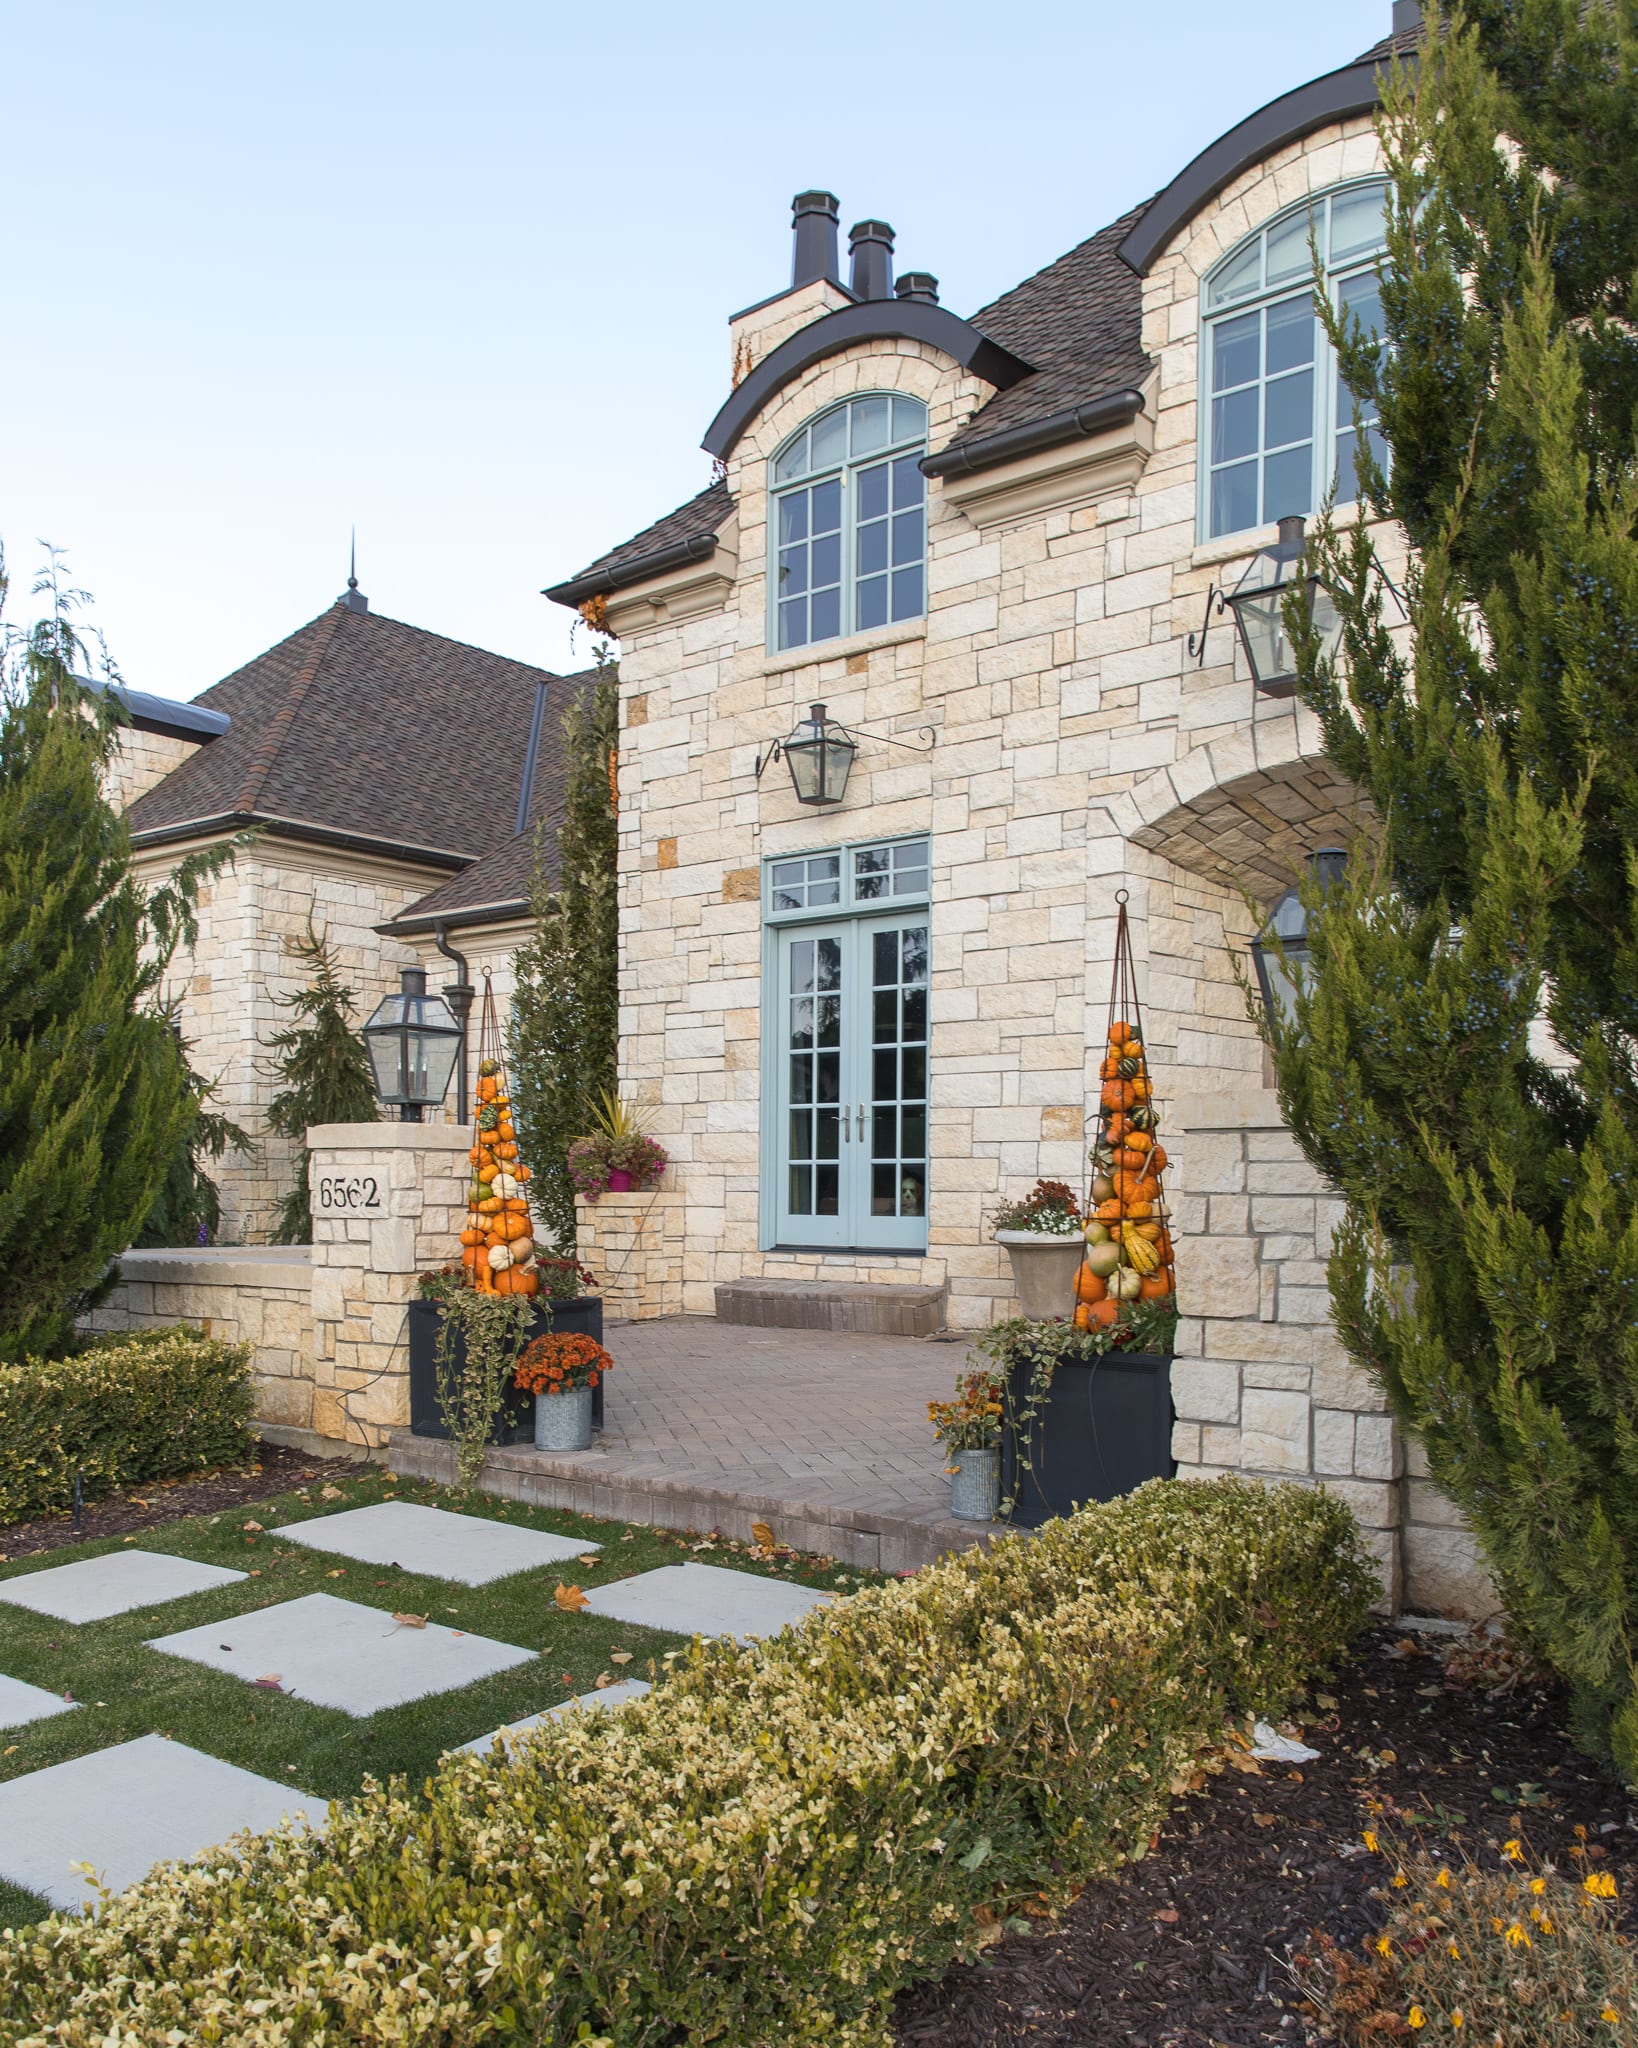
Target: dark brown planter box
{"type": "Point", "coordinates": [516, 1421]}
{"type": "Point", "coordinates": [1104, 1428]}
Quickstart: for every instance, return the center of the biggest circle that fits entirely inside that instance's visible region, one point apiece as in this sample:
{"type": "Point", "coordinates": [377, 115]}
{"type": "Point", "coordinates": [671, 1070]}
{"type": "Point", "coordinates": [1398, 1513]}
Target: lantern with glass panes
{"type": "Point", "coordinates": [413, 1041]}
{"type": "Point", "coordinates": [1280, 952]}
{"type": "Point", "coordinates": [820, 754]}
{"type": "Point", "coordinates": [1258, 604]}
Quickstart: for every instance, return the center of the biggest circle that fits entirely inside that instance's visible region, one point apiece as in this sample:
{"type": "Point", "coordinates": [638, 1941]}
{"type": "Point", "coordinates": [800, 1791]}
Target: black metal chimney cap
{"type": "Point", "coordinates": [813, 246]}
{"type": "Point", "coordinates": [918, 286]}
{"type": "Point", "coordinates": [870, 245]}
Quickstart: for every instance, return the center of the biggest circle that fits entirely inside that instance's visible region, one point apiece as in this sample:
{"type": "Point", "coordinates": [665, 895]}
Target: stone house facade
{"type": "Point", "coordinates": [986, 547]}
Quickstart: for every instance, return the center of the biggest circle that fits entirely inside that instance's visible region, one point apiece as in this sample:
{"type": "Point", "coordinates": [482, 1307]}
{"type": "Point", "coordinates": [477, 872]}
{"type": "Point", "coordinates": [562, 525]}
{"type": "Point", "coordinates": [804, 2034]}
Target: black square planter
{"type": "Point", "coordinates": [1104, 1428]}
{"type": "Point", "coordinates": [516, 1422]}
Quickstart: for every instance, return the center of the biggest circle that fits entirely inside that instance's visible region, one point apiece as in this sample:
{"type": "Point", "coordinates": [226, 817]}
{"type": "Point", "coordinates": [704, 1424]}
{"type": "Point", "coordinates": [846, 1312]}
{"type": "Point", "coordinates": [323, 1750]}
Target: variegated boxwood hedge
{"type": "Point", "coordinates": [122, 1412]}
{"type": "Point", "coordinates": [764, 1850]}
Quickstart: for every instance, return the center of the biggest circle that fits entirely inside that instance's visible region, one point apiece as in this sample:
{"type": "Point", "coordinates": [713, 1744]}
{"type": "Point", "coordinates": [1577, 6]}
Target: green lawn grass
{"type": "Point", "coordinates": [127, 1690]}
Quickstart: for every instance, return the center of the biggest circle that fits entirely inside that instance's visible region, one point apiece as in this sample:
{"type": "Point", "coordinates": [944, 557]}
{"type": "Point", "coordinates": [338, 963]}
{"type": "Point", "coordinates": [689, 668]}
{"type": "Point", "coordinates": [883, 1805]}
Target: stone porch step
{"type": "Point", "coordinates": [849, 1309]}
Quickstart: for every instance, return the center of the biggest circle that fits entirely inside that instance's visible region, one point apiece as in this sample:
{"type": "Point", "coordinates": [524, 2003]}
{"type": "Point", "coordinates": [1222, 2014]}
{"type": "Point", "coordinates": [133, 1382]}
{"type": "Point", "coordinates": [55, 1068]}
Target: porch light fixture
{"type": "Point", "coordinates": [820, 754]}
{"type": "Point", "coordinates": [1259, 612]}
{"type": "Point", "coordinates": [1282, 967]}
{"type": "Point", "coordinates": [412, 1041]}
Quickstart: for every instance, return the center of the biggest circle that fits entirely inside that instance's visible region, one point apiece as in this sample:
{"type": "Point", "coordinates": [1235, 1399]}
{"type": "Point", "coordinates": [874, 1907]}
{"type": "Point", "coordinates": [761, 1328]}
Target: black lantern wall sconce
{"type": "Point", "coordinates": [1282, 966]}
{"type": "Point", "coordinates": [821, 751]}
{"type": "Point", "coordinates": [1258, 604]}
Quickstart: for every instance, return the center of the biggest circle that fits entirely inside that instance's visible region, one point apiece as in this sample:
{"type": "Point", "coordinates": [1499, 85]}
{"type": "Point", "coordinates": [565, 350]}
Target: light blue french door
{"type": "Point", "coordinates": [851, 1119]}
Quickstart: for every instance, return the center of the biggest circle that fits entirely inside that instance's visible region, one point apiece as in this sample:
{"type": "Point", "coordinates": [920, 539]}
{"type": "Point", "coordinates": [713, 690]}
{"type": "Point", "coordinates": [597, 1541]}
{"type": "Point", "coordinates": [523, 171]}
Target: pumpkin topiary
{"type": "Point", "coordinates": [498, 1242]}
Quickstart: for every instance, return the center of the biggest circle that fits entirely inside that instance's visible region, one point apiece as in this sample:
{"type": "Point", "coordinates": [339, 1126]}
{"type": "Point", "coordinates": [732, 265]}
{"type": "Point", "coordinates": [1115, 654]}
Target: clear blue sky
{"type": "Point", "coordinates": [460, 274]}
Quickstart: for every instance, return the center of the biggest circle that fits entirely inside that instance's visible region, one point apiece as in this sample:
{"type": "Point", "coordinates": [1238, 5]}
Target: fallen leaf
{"type": "Point", "coordinates": [619, 1656]}
{"type": "Point", "coordinates": [603, 1678]}
{"type": "Point", "coordinates": [129, 1539]}
{"type": "Point", "coordinates": [411, 1620]}
{"type": "Point", "coordinates": [254, 1525]}
{"type": "Point", "coordinates": [330, 1493]}
{"type": "Point", "coordinates": [590, 1560]}
{"type": "Point", "coordinates": [761, 1533]}
{"type": "Point", "coordinates": [1265, 1820]}
{"type": "Point", "coordinates": [1170, 1915]}
{"type": "Point", "coordinates": [270, 1681]}
{"type": "Point", "coordinates": [337, 1574]}
{"type": "Point", "coordinates": [138, 1503]}
{"type": "Point", "coordinates": [570, 1599]}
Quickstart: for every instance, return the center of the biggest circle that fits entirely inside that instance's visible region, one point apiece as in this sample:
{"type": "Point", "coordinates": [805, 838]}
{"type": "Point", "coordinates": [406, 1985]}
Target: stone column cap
{"type": "Point", "coordinates": [391, 1137]}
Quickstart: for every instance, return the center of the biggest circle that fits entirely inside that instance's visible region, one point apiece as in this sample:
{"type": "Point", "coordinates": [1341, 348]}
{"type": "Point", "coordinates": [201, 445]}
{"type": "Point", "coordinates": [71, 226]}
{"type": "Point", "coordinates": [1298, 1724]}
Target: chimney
{"type": "Point", "coordinates": [919, 287]}
{"type": "Point", "coordinates": [813, 226]}
{"type": "Point", "coordinates": [1407, 16]}
{"type": "Point", "coordinates": [870, 245]}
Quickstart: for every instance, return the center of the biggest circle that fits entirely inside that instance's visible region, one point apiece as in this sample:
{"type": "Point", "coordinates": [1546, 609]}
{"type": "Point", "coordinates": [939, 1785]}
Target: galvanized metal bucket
{"type": "Point", "coordinates": [563, 1422]}
{"type": "Point", "coordinates": [975, 1484]}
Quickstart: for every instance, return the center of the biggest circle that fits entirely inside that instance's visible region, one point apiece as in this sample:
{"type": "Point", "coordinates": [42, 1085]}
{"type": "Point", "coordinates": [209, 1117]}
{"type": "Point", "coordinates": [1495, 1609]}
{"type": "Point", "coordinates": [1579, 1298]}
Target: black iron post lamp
{"type": "Point", "coordinates": [412, 1041]}
{"type": "Point", "coordinates": [1282, 967]}
{"type": "Point", "coordinates": [1258, 604]}
{"type": "Point", "coordinates": [820, 754]}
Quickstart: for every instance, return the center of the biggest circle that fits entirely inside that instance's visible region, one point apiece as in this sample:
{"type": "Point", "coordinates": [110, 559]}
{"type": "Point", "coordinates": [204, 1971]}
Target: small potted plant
{"type": "Point", "coordinates": [1042, 1234]}
{"type": "Point", "coordinates": [566, 1300]}
{"type": "Point", "coordinates": [619, 1156]}
{"type": "Point", "coordinates": [562, 1372]}
{"type": "Point", "coordinates": [969, 1427]}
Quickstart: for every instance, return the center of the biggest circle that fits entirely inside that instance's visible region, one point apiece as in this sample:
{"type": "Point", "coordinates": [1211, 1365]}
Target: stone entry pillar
{"type": "Point", "coordinates": [389, 1202]}
{"type": "Point", "coordinates": [633, 1244]}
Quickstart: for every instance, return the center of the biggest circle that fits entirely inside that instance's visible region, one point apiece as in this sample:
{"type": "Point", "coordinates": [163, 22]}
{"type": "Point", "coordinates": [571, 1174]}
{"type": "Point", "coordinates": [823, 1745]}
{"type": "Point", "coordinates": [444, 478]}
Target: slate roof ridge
{"type": "Point", "coordinates": [260, 764]}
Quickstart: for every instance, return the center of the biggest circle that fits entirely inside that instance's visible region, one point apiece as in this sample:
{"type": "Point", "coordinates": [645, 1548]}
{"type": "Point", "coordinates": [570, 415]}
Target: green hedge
{"type": "Point", "coordinates": [771, 1844]}
{"type": "Point", "coordinates": [123, 1412]}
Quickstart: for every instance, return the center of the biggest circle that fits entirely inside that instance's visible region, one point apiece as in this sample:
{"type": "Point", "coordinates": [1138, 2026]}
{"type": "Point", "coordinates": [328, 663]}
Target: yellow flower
{"type": "Point", "coordinates": [1513, 1851]}
{"type": "Point", "coordinates": [1443, 1880]}
{"type": "Point", "coordinates": [1538, 1885]}
{"type": "Point", "coordinates": [1598, 1884]}
{"type": "Point", "coordinates": [1610, 2016]}
{"type": "Point", "coordinates": [1455, 1952]}
{"type": "Point", "coordinates": [1516, 1937]}
{"type": "Point", "coordinates": [1400, 1879]}
{"type": "Point", "coordinates": [1384, 1947]}
{"type": "Point", "coordinates": [1370, 1840]}
{"type": "Point", "coordinates": [1417, 2017]}
{"type": "Point", "coordinates": [1456, 2019]}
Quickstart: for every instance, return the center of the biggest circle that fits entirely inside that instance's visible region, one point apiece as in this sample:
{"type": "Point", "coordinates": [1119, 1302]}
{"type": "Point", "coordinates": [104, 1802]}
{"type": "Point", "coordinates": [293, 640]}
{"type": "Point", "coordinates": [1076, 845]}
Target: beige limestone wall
{"type": "Point", "coordinates": [1262, 1385]}
{"type": "Point", "coordinates": [250, 919]}
{"type": "Point", "coordinates": [389, 1202]}
{"type": "Point", "coordinates": [633, 1244]}
{"type": "Point", "coordinates": [261, 1298]}
{"type": "Point", "coordinates": [140, 760]}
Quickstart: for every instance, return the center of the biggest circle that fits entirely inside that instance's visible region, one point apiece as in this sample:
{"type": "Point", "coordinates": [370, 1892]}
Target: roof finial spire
{"type": "Point", "coordinates": [355, 600]}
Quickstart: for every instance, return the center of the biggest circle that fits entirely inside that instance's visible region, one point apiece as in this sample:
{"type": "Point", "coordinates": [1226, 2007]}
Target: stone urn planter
{"type": "Point", "coordinates": [975, 1484]}
{"type": "Point", "coordinates": [1043, 1270]}
{"type": "Point", "coordinates": [563, 1422]}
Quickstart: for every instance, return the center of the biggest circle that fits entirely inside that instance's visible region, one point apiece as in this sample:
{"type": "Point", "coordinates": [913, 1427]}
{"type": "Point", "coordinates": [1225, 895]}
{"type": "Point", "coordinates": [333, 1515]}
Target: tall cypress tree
{"type": "Point", "coordinates": [1463, 1063]}
{"type": "Point", "coordinates": [94, 1092]}
{"type": "Point", "coordinates": [323, 1073]}
{"type": "Point", "coordinates": [563, 1036]}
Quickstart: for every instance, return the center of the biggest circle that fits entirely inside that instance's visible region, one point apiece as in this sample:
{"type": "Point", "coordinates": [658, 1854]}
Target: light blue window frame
{"type": "Point", "coordinates": [847, 522]}
{"type": "Point", "coordinates": [854, 893]}
{"type": "Point", "coordinates": [1276, 418]}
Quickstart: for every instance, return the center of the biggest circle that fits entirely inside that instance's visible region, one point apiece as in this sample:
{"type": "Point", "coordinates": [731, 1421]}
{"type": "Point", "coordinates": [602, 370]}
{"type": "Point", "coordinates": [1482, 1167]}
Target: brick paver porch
{"type": "Point", "coordinates": [714, 1425]}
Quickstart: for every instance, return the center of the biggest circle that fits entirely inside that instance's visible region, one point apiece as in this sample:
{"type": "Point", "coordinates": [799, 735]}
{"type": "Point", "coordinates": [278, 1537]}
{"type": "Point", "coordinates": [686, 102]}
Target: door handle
{"type": "Point", "coordinates": [847, 1135]}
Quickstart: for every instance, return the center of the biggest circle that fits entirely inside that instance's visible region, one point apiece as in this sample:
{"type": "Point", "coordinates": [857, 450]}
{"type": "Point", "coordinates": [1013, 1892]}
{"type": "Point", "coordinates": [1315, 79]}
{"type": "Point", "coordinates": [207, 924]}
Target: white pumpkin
{"type": "Point", "coordinates": [523, 1251]}
{"type": "Point", "coordinates": [500, 1257]}
{"type": "Point", "coordinates": [507, 1186]}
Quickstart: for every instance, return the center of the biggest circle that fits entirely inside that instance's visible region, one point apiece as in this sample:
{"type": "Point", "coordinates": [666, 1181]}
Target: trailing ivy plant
{"type": "Point", "coordinates": [479, 1338]}
{"type": "Point", "coordinates": [563, 1033]}
{"type": "Point", "coordinates": [1149, 1327]}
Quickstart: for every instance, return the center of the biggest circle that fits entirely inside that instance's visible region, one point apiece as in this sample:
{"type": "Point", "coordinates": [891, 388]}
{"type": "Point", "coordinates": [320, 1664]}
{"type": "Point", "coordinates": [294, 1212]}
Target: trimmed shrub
{"type": "Point", "coordinates": [769, 1846]}
{"type": "Point", "coordinates": [122, 1412]}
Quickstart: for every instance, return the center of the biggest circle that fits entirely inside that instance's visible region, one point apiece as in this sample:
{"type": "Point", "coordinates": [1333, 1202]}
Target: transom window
{"type": "Point", "coordinates": [1279, 419]}
{"type": "Point", "coordinates": [887, 871]}
{"type": "Point", "coordinates": [849, 524]}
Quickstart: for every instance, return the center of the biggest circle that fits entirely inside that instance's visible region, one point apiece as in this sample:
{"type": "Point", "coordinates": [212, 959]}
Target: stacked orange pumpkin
{"type": "Point", "coordinates": [1128, 1245]}
{"type": "Point", "coordinates": [498, 1243]}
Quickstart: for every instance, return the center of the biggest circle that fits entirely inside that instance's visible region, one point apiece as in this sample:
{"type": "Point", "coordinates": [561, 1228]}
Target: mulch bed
{"type": "Point", "coordinates": [1191, 1947]}
{"type": "Point", "coordinates": [276, 1470]}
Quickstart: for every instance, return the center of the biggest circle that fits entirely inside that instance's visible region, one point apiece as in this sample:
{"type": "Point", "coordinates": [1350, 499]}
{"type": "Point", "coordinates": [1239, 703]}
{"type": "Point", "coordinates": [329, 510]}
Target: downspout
{"type": "Point", "coordinates": [458, 994]}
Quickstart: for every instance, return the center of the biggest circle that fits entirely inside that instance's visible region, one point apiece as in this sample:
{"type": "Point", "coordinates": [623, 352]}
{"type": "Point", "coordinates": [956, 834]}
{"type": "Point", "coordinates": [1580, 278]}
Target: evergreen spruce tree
{"type": "Point", "coordinates": [564, 1029]}
{"type": "Point", "coordinates": [188, 1210]}
{"type": "Point", "coordinates": [94, 1093]}
{"type": "Point", "coordinates": [323, 1072]}
{"type": "Point", "coordinates": [1462, 1065]}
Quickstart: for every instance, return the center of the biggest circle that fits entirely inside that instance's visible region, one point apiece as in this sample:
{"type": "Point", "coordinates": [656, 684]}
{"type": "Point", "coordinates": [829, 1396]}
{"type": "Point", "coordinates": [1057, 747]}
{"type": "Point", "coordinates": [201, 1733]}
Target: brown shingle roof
{"type": "Point", "coordinates": [362, 726]}
{"type": "Point", "coordinates": [498, 883]}
{"type": "Point", "coordinates": [701, 517]}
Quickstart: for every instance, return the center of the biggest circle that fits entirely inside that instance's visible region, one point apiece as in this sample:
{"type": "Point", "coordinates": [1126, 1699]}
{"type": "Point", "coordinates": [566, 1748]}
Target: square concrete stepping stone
{"type": "Point", "coordinates": [603, 1696]}
{"type": "Point", "coordinates": [433, 1541]}
{"type": "Point", "coordinates": [20, 1703]}
{"type": "Point", "coordinates": [123, 1810]}
{"type": "Point", "coordinates": [338, 1653]}
{"type": "Point", "coordinates": [95, 1587]}
{"type": "Point", "coordinates": [704, 1600]}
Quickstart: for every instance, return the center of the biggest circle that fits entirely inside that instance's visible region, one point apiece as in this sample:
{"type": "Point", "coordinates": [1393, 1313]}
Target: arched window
{"type": "Point", "coordinates": [1278, 421]}
{"type": "Point", "coordinates": [848, 531]}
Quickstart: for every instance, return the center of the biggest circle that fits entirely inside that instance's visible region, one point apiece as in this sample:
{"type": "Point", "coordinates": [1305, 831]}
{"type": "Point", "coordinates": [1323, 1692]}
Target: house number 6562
{"type": "Point", "coordinates": [358, 1192]}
